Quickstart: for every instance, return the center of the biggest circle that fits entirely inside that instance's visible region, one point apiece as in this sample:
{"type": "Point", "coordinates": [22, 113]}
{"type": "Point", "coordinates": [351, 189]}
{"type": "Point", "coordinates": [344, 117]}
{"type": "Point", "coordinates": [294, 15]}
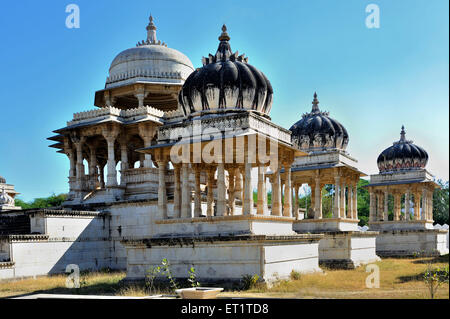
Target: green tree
{"type": "Point", "coordinates": [45, 202]}
{"type": "Point", "coordinates": [363, 202]}
{"type": "Point", "coordinates": [440, 203]}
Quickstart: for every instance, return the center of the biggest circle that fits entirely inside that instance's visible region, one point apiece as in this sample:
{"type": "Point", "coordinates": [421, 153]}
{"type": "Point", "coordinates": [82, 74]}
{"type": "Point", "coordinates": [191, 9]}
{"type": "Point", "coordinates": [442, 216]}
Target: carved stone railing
{"type": "Point", "coordinates": [143, 73]}
{"type": "Point", "coordinates": [144, 175]}
{"type": "Point", "coordinates": [124, 116]}
{"type": "Point", "coordinates": [85, 183]}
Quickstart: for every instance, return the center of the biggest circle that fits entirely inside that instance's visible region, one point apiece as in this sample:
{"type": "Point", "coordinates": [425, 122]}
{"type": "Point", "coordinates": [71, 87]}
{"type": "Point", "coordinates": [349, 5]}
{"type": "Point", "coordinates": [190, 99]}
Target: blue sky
{"type": "Point", "coordinates": [372, 80]}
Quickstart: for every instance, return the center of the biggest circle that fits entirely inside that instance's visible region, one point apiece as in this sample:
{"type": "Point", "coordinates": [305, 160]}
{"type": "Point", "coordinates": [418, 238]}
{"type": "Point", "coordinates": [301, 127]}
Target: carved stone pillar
{"type": "Point", "coordinates": [248, 190]}
{"type": "Point", "coordinates": [407, 205]}
{"type": "Point", "coordinates": [397, 206]}
{"type": "Point", "coordinates": [430, 209]}
{"type": "Point", "coordinates": [296, 202]}
{"type": "Point", "coordinates": [71, 155]}
{"type": "Point", "coordinates": [147, 132]}
{"type": "Point", "coordinates": [111, 179]}
{"type": "Point", "coordinates": [380, 210]}
{"type": "Point", "coordinates": [124, 162]}
{"type": "Point", "coordinates": [342, 197]}
{"type": "Point", "coordinates": [110, 134]}
{"type": "Point", "coordinates": [350, 201]}
{"type": "Point", "coordinates": [386, 205]}
{"type": "Point", "coordinates": [287, 211]}
{"type": "Point", "coordinates": [231, 190]}
{"type": "Point", "coordinates": [210, 196]}
{"type": "Point", "coordinates": [318, 198]}
{"type": "Point", "coordinates": [177, 192]}
{"type": "Point", "coordinates": [140, 95]}
{"type": "Point", "coordinates": [261, 191]}
{"type": "Point", "coordinates": [238, 185]}
{"type": "Point", "coordinates": [162, 195]}
{"type": "Point", "coordinates": [416, 205]}
{"type": "Point", "coordinates": [101, 167]}
{"type": "Point", "coordinates": [337, 198]}
{"type": "Point", "coordinates": [424, 204]}
{"type": "Point", "coordinates": [276, 193]}
{"type": "Point", "coordinates": [93, 172]}
{"type": "Point", "coordinates": [221, 190]}
{"type": "Point", "coordinates": [372, 206]}
{"type": "Point", "coordinates": [198, 195]}
{"type": "Point", "coordinates": [313, 199]}
{"type": "Point", "coordinates": [186, 210]}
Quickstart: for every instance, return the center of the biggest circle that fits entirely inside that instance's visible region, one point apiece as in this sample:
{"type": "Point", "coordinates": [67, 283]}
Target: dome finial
{"type": "Point", "coordinates": [151, 31]}
{"type": "Point", "coordinates": [315, 104]}
{"type": "Point", "coordinates": [224, 36]}
{"type": "Point", "coordinates": [403, 134]}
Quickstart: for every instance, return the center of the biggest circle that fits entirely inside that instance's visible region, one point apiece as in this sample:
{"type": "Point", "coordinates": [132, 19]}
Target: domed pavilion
{"type": "Point", "coordinates": [141, 88]}
{"type": "Point", "coordinates": [406, 228]}
{"type": "Point", "coordinates": [219, 136]}
{"type": "Point", "coordinates": [325, 140]}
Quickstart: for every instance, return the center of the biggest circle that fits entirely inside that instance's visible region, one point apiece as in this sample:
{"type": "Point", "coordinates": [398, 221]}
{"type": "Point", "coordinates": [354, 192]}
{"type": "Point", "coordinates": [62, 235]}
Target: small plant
{"type": "Point", "coordinates": [150, 276]}
{"type": "Point", "coordinates": [434, 278]}
{"type": "Point", "coordinates": [295, 275]}
{"type": "Point", "coordinates": [249, 281]}
{"type": "Point", "coordinates": [193, 278]}
{"type": "Point", "coordinates": [166, 269]}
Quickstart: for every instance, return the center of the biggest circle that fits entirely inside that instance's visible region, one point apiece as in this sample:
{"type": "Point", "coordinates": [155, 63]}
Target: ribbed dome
{"type": "Point", "coordinates": [149, 61]}
{"type": "Point", "coordinates": [226, 82]}
{"type": "Point", "coordinates": [316, 131]}
{"type": "Point", "coordinates": [2, 180]}
{"type": "Point", "coordinates": [402, 155]}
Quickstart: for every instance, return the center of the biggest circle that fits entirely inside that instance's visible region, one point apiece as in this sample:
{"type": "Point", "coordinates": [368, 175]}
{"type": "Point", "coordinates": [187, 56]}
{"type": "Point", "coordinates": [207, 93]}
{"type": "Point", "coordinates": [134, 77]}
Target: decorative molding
{"type": "Point", "coordinates": [216, 219]}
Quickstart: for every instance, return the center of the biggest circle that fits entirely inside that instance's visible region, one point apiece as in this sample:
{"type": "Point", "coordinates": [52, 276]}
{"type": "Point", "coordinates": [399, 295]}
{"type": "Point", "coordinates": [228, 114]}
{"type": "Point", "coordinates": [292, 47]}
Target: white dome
{"type": "Point", "coordinates": [150, 61]}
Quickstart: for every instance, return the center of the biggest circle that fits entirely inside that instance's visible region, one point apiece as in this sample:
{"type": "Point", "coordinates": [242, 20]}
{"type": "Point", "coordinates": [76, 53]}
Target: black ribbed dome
{"type": "Point", "coordinates": [2, 180]}
{"type": "Point", "coordinates": [226, 82]}
{"type": "Point", "coordinates": [316, 131]}
{"type": "Point", "coordinates": [402, 155]}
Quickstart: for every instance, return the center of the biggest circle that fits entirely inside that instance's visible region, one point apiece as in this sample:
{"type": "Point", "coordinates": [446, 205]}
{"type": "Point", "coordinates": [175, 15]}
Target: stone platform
{"type": "Point", "coordinates": [411, 243]}
{"type": "Point", "coordinates": [401, 225]}
{"type": "Point", "coordinates": [347, 249]}
{"type": "Point", "coordinates": [343, 245]}
{"type": "Point", "coordinates": [325, 225]}
{"type": "Point", "coordinates": [226, 259]}
{"type": "Point", "coordinates": [225, 226]}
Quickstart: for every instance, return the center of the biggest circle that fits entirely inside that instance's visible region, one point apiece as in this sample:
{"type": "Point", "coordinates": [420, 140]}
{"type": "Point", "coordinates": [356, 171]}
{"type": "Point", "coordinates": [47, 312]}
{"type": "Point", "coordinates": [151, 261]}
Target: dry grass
{"type": "Point", "coordinates": [105, 283]}
{"type": "Point", "coordinates": [399, 278]}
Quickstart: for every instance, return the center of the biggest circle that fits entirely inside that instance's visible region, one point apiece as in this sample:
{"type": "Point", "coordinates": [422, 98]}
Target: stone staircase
{"type": "Point", "coordinates": [15, 225]}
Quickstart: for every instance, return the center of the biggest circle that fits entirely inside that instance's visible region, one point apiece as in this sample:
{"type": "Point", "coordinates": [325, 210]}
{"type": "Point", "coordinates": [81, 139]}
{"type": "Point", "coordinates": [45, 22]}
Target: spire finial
{"type": "Point", "coordinates": [151, 31]}
{"type": "Point", "coordinates": [315, 104]}
{"type": "Point", "coordinates": [224, 36]}
{"type": "Point", "coordinates": [403, 134]}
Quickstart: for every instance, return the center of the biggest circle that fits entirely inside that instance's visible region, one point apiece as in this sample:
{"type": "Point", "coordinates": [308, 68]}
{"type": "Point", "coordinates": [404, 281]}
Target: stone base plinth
{"type": "Point", "coordinates": [347, 250]}
{"type": "Point", "coordinates": [225, 226]}
{"type": "Point", "coordinates": [401, 225]}
{"type": "Point", "coordinates": [412, 243]}
{"type": "Point", "coordinates": [225, 259]}
{"type": "Point", "coordinates": [325, 225]}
